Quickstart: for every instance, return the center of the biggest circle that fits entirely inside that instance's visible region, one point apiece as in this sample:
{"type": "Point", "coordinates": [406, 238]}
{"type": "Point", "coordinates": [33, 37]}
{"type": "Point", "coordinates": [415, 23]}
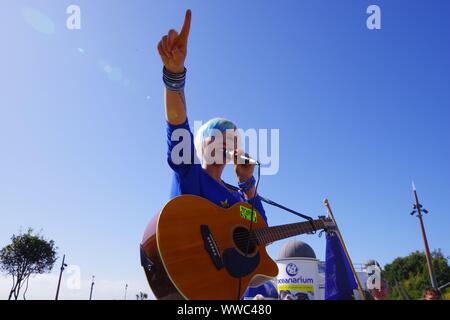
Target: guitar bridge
{"type": "Point", "coordinates": [211, 246]}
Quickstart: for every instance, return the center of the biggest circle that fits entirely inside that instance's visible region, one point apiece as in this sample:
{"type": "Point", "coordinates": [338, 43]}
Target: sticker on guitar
{"type": "Point", "coordinates": [246, 214]}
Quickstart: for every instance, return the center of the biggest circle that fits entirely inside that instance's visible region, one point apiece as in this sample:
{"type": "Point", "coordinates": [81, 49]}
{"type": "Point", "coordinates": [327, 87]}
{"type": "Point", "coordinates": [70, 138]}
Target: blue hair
{"type": "Point", "coordinates": [208, 129]}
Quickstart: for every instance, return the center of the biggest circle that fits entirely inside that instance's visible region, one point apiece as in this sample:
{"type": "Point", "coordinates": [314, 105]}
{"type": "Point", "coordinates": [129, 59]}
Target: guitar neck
{"type": "Point", "coordinates": [272, 234]}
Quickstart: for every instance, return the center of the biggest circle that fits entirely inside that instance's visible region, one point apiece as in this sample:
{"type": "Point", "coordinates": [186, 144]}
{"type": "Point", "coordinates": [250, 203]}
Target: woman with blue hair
{"type": "Point", "coordinates": [198, 169]}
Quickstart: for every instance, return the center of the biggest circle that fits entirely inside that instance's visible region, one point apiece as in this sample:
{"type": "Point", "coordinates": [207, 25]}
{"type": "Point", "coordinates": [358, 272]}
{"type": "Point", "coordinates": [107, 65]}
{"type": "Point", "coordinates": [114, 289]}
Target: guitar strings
{"type": "Point", "coordinates": [242, 237]}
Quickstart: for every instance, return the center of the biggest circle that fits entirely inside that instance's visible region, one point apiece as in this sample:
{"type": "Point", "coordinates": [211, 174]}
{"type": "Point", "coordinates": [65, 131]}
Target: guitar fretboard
{"type": "Point", "coordinates": [272, 234]}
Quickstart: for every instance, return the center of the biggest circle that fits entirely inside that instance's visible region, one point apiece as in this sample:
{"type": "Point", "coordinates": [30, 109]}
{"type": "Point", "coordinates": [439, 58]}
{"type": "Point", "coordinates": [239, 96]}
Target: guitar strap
{"type": "Point", "coordinates": [273, 203]}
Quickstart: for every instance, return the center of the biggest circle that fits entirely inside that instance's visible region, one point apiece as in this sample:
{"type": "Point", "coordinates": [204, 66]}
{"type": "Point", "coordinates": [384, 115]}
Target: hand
{"type": "Point", "coordinates": [173, 47]}
{"type": "Point", "coordinates": [243, 171]}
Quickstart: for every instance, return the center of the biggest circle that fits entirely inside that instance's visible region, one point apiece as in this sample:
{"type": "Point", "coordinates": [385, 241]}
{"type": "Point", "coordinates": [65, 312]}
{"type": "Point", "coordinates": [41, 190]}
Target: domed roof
{"type": "Point", "coordinates": [296, 249]}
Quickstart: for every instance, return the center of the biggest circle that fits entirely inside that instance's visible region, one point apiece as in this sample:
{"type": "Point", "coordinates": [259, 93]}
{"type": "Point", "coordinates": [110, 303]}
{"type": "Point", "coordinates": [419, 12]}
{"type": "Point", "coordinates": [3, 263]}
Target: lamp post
{"type": "Point", "coordinates": [126, 288]}
{"type": "Point", "coordinates": [63, 265]}
{"type": "Point", "coordinates": [92, 287]}
{"type": "Point", "coordinates": [418, 208]}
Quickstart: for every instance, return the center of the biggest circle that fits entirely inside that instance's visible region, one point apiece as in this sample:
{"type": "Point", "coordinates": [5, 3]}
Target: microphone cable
{"type": "Point", "coordinates": [253, 214]}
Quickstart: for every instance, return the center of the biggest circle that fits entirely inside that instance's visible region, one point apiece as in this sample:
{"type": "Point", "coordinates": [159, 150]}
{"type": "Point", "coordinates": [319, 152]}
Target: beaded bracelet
{"type": "Point", "coordinates": [174, 81]}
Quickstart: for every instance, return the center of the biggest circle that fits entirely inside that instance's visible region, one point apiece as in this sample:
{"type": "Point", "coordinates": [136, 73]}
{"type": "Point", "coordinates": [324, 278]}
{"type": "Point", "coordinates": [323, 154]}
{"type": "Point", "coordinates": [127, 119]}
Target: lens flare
{"type": "Point", "coordinates": [38, 21]}
{"type": "Point", "coordinates": [113, 73]}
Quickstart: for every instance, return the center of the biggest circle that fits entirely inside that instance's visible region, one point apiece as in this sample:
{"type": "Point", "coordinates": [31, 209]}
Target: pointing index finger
{"type": "Point", "coordinates": [186, 26]}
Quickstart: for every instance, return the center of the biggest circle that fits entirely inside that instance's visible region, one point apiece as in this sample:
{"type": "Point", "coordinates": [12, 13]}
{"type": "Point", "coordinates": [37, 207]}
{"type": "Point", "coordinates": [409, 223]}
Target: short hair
{"type": "Point", "coordinates": [207, 130]}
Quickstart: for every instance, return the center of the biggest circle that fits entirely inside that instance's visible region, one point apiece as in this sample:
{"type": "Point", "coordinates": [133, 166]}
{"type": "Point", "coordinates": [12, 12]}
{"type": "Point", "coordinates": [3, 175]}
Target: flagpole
{"type": "Point", "coordinates": [338, 233]}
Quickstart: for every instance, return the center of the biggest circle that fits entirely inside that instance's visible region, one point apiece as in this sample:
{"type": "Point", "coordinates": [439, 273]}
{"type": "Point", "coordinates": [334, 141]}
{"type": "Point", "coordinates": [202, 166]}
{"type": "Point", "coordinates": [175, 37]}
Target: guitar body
{"type": "Point", "coordinates": [197, 250]}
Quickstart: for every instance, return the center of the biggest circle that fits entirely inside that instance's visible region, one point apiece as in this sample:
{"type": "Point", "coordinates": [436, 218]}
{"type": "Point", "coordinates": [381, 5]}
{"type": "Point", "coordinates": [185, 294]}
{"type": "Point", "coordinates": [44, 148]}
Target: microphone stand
{"type": "Point", "coordinates": [273, 203]}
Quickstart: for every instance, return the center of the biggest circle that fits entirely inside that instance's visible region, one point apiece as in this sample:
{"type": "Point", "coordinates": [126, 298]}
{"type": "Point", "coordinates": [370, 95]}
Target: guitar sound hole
{"type": "Point", "coordinates": [240, 238]}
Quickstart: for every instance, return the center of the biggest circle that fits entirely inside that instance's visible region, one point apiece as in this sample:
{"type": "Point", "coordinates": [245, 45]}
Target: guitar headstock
{"type": "Point", "coordinates": [328, 223]}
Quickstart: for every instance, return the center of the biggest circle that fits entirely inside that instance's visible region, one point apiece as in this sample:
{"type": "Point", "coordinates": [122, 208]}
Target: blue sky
{"type": "Point", "coordinates": [361, 114]}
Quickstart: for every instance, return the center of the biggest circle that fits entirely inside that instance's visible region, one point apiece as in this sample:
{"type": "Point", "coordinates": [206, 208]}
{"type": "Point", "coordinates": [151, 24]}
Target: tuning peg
{"type": "Point", "coordinates": [412, 213]}
{"type": "Point", "coordinates": [425, 210]}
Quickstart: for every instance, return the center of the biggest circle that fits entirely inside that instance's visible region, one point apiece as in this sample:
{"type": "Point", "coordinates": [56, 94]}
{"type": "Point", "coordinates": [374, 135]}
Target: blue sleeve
{"type": "Point", "coordinates": [181, 138]}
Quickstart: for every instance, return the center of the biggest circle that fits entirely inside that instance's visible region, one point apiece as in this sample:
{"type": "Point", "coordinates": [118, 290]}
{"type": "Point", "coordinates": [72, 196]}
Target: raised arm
{"type": "Point", "coordinates": [173, 50]}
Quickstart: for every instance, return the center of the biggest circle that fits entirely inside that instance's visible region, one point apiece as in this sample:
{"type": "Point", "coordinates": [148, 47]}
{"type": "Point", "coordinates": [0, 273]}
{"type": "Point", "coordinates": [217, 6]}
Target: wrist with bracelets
{"type": "Point", "coordinates": [246, 185]}
{"type": "Point", "coordinates": [174, 81]}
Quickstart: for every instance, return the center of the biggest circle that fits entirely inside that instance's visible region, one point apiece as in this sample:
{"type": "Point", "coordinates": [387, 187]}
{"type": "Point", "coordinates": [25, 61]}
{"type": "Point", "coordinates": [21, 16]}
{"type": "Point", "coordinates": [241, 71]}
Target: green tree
{"type": "Point", "coordinates": [408, 276]}
{"type": "Point", "coordinates": [26, 255]}
{"type": "Point", "coordinates": [141, 296]}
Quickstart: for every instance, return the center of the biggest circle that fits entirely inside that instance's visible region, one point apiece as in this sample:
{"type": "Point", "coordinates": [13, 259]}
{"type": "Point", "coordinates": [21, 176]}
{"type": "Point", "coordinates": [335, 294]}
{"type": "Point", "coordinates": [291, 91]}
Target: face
{"type": "Point", "coordinates": [217, 148]}
{"type": "Point", "coordinates": [431, 295]}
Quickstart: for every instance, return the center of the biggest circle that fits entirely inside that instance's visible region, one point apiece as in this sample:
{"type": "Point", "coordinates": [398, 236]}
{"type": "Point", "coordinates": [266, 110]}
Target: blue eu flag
{"type": "Point", "coordinates": [339, 279]}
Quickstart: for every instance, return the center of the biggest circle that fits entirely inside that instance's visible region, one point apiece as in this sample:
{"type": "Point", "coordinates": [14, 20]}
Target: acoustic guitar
{"type": "Point", "coordinates": [194, 249]}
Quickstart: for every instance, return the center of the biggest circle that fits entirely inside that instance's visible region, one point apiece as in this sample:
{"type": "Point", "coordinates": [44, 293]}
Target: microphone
{"type": "Point", "coordinates": [242, 158]}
